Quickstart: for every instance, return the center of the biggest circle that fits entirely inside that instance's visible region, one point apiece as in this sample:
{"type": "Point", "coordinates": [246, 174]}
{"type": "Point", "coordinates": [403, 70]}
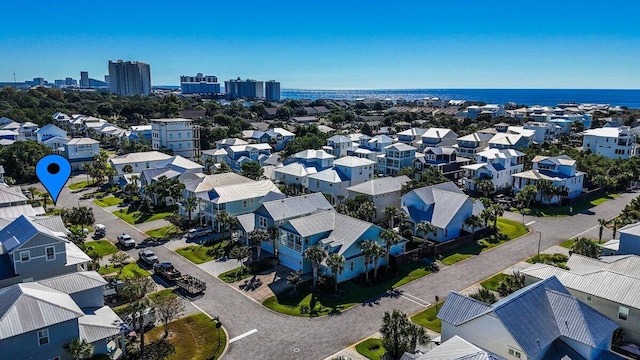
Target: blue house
{"type": "Point", "coordinates": [277, 137]}
{"type": "Point", "coordinates": [274, 213]}
{"type": "Point", "coordinates": [240, 154]}
{"type": "Point", "coordinates": [396, 157]}
{"type": "Point", "coordinates": [318, 159]}
{"type": "Point", "coordinates": [629, 242]}
{"type": "Point", "coordinates": [337, 233]}
{"type": "Point", "coordinates": [444, 205]}
{"type": "Point", "coordinates": [410, 136]}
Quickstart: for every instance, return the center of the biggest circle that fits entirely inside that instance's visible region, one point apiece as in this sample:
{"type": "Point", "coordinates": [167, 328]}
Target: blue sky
{"type": "Point", "coordinates": [332, 44]}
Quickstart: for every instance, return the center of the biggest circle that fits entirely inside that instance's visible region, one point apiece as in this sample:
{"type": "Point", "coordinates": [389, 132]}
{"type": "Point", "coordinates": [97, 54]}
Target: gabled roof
{"type": "Point", "coordinates": [379, 186]}
{"type": "Point", "coordinates": [82, 141]}
{"type": "Point", "coordinates": [21, 230]}
{"type": "Point", "coordinates": [492, 154]}
{"type": "Point", "coordinates": [75, 282]}
{"type": "Point", "coordinates": [557, 160]}
{"type": "Point", "coordinates": [154, 174]}
{"type": "Point", "coordinates": [477, 136]}
{"type": "Point", "coordinates": [296, 169]}
{"type": "Point", "coordinates": [623, 264]}
{"type": "Point", "coordinates": [99, 323]}
{"type": "Point", "coordinates": [14, 212]}
{"type": "Point", "coordinates": [455, 348]}
{"type": "Point", "coordinates": [296, 206]}
{"type": "Point", "coordinates": [312, 154]}
{"type": "Point", "coordinates": [210, 181]}
{"type": "Point", "coordinates": [30, 306]}
{"type": "Point", "coordinates": [230, 193]}
{"type": "Point", "coordinates": [536, 316]}
{"type": "Point", "coordinates": [413, 132]}
{"type": "Point", "coordinates": [351, 161]}
{"type": "Point", "coordinates": [179, 162]}
{"type": "Point", "coordinates": [140, 157]}
{"type": "Point", "coordinates": [329, 175]}
{"type": "Point", "coordinates": [400, 147]}
{"type": "Point", "coordinates": [339, 139]}
{"type": "Point", "coordinates": [11, 194]}
{"type": "Point", "coordinates": [438, 133]}
{"type": "Point", "coordinates": [279, 131]}
{"type": "Point", "coordinates": [231, 142]}
{"type": "Point", "coordinates": [441, 204]}
{"type": "Point", "coordinates": [50, 127]}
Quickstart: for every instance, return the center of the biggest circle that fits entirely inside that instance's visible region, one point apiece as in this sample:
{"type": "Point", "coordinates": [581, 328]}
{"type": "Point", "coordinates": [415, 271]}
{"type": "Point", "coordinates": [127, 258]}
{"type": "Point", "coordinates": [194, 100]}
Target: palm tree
{"type": "Point", "coordinates": [224, 220]}
{"type": "Point", "coordinates": [32, 191]}
{"type": "Point", "coordinates": [602, 223]}
{"type": "Point", "coordinates": [585, 247]}
{"type": "Point", "coordinates": [366, 247]}
{"type": "Point", "coordinates": [417, 335]}
{"type": "Point", "coordinates": [366, 211]}
{"type": "Point", "coordinates": [391, 212]}
{"type": "Point", "coordinates": [273, 235]}
{"type": "Point", "coordinates": [426, 228]}
{"type": "Point", "coordinates": [615, 223]}
{"type": "Point", "coordinates": [528, 193]}
{"type": "Point", "coordinates": [485, 187]}
{"type": "Point", "coordinates": [189, 204]}
{"type": "Point", "coordinates": [473, 222]}
{"type": "Point", "coordinates": [484, 295]}
{"type": "Point", "coordinates": [336, 263]}
{"type": "Point", "coordinates": [496, 212]}
{"type": "Point", "coordinates": [377, 252]}
{"type": "Point", "coordinates": [295, 278]}
{"type": "Point", "coordinates": [486, 215]}
{"type": "Point", "coordinates": [79, 349]}
{"type": "Point", "coordinates": [208, 162]}
{"type": "Point", "coordinates": [390, 238]}
{"type": "Point", "coordinates": [127, 169]}
{"type": "Point", "coordinates": [511, 284]}
{"type": "Point", "coordinates": [87, 167]}
{"type": "Point", "coordinates": [45, 197]}
{"type": "Point", "coordinates": [546, 188]}
{"type": "Point", "coordinates": [256, 237]}
{"type": "Point", "coordinates": [316, 254]}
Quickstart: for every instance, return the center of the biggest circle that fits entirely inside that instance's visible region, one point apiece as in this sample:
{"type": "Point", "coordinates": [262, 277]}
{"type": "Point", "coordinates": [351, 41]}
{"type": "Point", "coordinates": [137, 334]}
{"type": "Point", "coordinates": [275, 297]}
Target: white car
{"type": "Point", "coordinates": [197, 232]}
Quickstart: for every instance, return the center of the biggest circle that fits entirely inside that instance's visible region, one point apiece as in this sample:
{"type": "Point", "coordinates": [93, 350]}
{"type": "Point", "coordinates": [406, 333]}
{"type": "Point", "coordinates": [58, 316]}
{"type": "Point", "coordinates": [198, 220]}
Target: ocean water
{"type": "Point", "coordinates": [543, 97]}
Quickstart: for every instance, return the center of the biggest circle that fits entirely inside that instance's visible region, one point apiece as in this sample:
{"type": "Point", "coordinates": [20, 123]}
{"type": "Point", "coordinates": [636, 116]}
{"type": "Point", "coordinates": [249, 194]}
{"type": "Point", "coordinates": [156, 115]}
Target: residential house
{"type": "Point", "coordinates": [411, 136]}
{"type": "Point", "coordinates": [444, 159]}
{"type": "Point", "coordinates": [174, 167]}
{"type": "Point", "coordinates": [28, 131]}
{"type": "Point", "coordinates": [56, 144]}
{"type": "Point", "coordinates": [49, 131]}
{"type": "Point", "coordinates": [371, 147]}
{"type": "Point", "coordinates": [612, 143]}
{"type": "Point", "coordinates": [179, 135]}
{"type": "Point", "coordinates": [337, 233]}
{"type": "Point", "coordinates": [629, 242]}
{"type": "Point", "coordinates": [383, 192]}
{"type": "Point", "coordinates": [437, 137]}
{"type": "Point", "coordinates": [141, 133]}
{"type": "Point", "coordinates": [31, 251]}
{"type": "Point", "coordinates": [356, 169]}
{"type": "Point", "coordinates": [11, 196]}
{"type": "Point", "coordinates": [240, 154]}
{"type": "Point", "coordinates": [226, 143]}
{"type": "Point", "coordinates": [456, 348]}
{"type": "Point", "coordinates": [338, 145]}
{"type": "Point", "coordinates": [443, 205]}
{"type": "Point", "coordinates": [274, 213]}
{"type": "Point", "coordinates": [540, 321]}
{"type": "Point", "coordinates": [80, 151]}
{"type": "Point", "coordinates": [138, 161]}
{"type": "Point", "coordinates": [543, 132]}
{"type": "Point", "coordinates": [318, 159]}
{"type": "Point", "coordinates": [277, 137]}
{"type": "Point", "coordinates": [200, 186]}
{"type": "Point", "coordinates": [561, 171]}
{"type": "Point", "coordinates": [495, 165]}
{"type": "Point", "coordinates": [38, 318]}
{"type": "Point", "coordinates": [492, 110]}
{"type": "Point", "coordinates": [395, 158]}
{"type": "Point", "coordinates": [212, 157]}
{"type": "Point", "coordinates": [503, 141]}
{"type": "Point", "coordinates": [468, 146]}
{"type": "Point", "coordinates": [610, 285]}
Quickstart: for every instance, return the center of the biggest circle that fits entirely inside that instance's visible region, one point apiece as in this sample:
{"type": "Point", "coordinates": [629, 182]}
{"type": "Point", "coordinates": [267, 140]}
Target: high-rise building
{"type": "Point", "coordinates": [106, 79]}
{"type": "Point", "coordinates": [199, 84]}
{"type": "Point", "coordinates": [272, 90]}
{"type": "Point", "coordinates": [70, 82]}
{"type": "Point", "coordinates": [84, 79]}
{"type": "Point", "coordinates": [129, 78]}
{"type": "Point", "coordinates": [244, 89]}
{"type": "Point", "coordinates": [179, 135]}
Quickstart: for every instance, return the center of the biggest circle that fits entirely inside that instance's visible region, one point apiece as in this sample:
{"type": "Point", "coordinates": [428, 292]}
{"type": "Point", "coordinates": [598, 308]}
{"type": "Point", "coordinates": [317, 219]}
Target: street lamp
{"type": "Point", "coordinates": [539, 242]}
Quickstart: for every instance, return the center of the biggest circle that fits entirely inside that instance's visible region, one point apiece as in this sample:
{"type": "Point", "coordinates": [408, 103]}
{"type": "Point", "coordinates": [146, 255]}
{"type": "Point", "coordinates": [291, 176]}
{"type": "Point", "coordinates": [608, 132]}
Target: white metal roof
{"type": "Point", "coordinates": [140, 157]}
{"type": "Point", "coordinates": [98, 324]}
{"type": "Point", "coordinates": [237, 192]}
{"type": "Point", "coordinates": [75, 282]}
{"type": "Point", "coordinates": [379, 186]}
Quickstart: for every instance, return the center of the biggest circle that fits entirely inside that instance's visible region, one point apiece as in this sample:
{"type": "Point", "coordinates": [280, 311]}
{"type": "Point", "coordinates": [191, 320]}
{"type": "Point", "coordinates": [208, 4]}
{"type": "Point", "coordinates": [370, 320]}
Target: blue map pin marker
{"type": "Point", "coordinates": [53, 172]}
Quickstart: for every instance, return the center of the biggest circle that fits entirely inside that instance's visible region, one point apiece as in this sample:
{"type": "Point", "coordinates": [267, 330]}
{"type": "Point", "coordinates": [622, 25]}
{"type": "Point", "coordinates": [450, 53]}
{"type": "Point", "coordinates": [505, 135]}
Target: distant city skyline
{"type": "Point", "coordinates": [333, 45]}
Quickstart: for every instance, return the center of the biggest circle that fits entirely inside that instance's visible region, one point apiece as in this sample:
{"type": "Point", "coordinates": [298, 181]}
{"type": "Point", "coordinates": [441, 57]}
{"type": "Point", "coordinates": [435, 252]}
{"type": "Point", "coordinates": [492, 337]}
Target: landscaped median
{"type": "Point", "coordinates": [308, 303]}
{"type": "Point", "coordinates": [137, 217]}
{"type": "Point", "coordinates": [585, 202]}
{"type": "Point", "coordinates": [79, 185]}
{"type": "Point", "coordinates": [371, 349]}
{"type": "Point", "coordinates": [199, 254]}
{"type": "Point", "coordinates": [166, 232]}
{"type": "Point", "coordinates": [509, 228]}
{"type": "Point", "coordinates": [108, 201]}
{"type": "Point", "coordinates": [132, 270]}
{"type": "Point", "coordinates": [193, 337]}
{"type": "Point", "coordinates": [427, 318]}
{"type": "Point", "coordinates": [100, 248]}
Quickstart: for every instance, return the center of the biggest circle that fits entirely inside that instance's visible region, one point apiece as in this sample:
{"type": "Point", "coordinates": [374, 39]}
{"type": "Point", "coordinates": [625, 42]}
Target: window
{"type": "Point", "coordinates": [25, 256]}
{"type": "Point", "coordinates": [244, 203]}
{"type": "Point", "coordinates": [623, 313]}
{"type": "Point", "coordinates": [262, 221]}
{"type": "Point", "coordinates": [43, 337]}
{"type": "Point", "coordinates": [170, 136]}
{"type": "Point", "coordinates": [179, 135]}
{"type": "Point", "coordinates": [589, 298]}
{"type": "Point", "coordinates": [51, 253]}
{"type": "Point", "coordinates": [515, 353]}
{"type": "Point", "coordinates": [351, 266]}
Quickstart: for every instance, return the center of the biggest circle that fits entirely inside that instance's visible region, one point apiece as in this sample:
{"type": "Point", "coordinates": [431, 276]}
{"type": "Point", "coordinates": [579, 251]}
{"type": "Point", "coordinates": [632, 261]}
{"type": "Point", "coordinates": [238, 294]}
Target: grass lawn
{"type": "Point", "coordinates": [108, 201]}
{"type": "Point", "coordinates": [321, 304]}
{"type": "Point", "coordinates": [584, 203]}
{"type": "Point", "coordinates": [194, 337]}
{"type": "Point", "coordinates": [79, 185]}
{"type": "Point", "coordinates": [512, 229]}
{"type": "Point", "coordinates": [102, 247]}
{"type": "Point", "coordinates": [493, 282]}
{"type": "Point", "coordinates": [243, 272]}
{"type": "Point", "coordinates": [568, 244]}
{"type": "Point", "coordinates": [167, 231]}
{"type": "Point", "coordinates": [427, 318]}
{"type": "Point", "coordinates": [154, 295]}
{"type": "Point", "coordinates": [77, 229]}
{"type": "Point", "coordinates": [557, 260]}
{"type": "Point", "coordinates": [199, 254]}
{"type": "Point", "coordinates": [371, 349]}
{"type": "Point", "coordinates": [136, 217]}
{"type": "Point", "coordinates": [128, 271]}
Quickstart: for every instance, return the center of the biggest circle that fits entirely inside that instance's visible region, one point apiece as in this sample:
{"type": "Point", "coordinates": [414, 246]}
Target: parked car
{"type": "Point", "coordinates": [126, 240]}
{"type": "Point", "coordinates": [111, 290]}
{"type": "Point", "coordinates": [166, 270]}
{"type": "Point", "coordinates": [197, 232]}
{"type": "Point", "coordinates": [148, 319]}
{"type": "Point", "coordinates": [99, 230]}
{"type": "Point", "coordinates": [148, 257]}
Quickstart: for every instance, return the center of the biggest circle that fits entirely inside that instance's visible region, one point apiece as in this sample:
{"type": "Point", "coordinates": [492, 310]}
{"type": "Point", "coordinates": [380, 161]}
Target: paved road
{"type": "Point", "coordinates": [284, 337]}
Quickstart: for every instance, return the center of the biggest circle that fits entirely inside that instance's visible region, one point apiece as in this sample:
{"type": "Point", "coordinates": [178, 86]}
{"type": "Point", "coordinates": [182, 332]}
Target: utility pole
{"type": "Point", "coordinates": [539, 241]}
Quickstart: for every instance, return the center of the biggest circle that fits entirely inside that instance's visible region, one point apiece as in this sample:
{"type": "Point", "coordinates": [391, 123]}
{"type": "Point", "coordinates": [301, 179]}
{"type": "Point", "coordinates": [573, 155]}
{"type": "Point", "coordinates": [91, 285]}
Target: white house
{"type": "Point", "coordinates": [356, 169]}
{"type": "Point", "coordinates": [495, 165]}
{"type": "Point", "coordinates": [28, 131]}
{"type": "Point", "coordinates": [80, 151]}
{"type": "Point", "coordinates": [612, 143]}
{"type": "Point", "coordinates": [49, 131]}
{"type": "Point", "coordinates": [138, 161]}
{"type": "Point", "coordinates": [437, 137]}
{"type": "Point", "coordinates": [561, 171]}
{"type": "Point", "coordinates": [468, 145]}
{"type": "Point", "coordinates": [179, 135]}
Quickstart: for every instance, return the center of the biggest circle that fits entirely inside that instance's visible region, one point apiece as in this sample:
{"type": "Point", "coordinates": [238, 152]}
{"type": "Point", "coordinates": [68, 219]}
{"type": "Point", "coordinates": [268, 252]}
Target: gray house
{"type": "Point", "coordinates": [610, 285]}
{"type": "Point", "coordinates": [38, 318]}
{"type": "Point", "coordinates": [30, 251]}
